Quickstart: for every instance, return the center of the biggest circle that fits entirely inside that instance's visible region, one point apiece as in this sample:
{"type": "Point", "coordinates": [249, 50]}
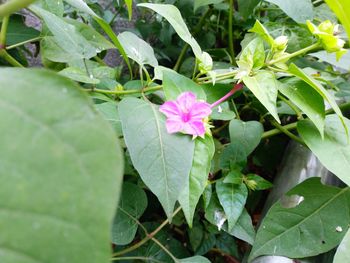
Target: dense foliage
{"type": "Point", "coordinates": [167, 152]}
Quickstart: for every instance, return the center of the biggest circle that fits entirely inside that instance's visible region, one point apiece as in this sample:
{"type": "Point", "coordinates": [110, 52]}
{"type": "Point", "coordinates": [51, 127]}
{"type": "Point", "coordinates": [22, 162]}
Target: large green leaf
{"type": "Point", "coordinates": [232, 198]}
{"type": "Point", "coordinates": [307, 99]}
{"type": "Point", "coordinates": [334, 150]}
{"type": "Point", "coordinates": [299, 11]}
{"type": "Point", "coordinates": [343, 251]}
{"type": "Point", "coordinates": [203, 153]}
{"type": "Point", "coordinates": [163, 160]}
{"type": "Point", "coordinates": [137, 49]}
{"type": "Point", "coordinates": [248, 134]}
{"type": "Point", "coordinates": [308, 225]}
{"type": "Point", "coordinates": [342, 9]}
{"type": "Point", "coordinates": [55, 7]}
{"type": "Point", "coordinates": [60, 171]}
{"type": "Point", "coordinates": [173, 15]}
{"type": "Point", "coordinates": [320, 89]}
{"type": "Point", "coordinates": [174, 84]}
{"type": "Point", "coordinates": [133, 203]}
{"type": "Point", "coordinates": [264, 86]}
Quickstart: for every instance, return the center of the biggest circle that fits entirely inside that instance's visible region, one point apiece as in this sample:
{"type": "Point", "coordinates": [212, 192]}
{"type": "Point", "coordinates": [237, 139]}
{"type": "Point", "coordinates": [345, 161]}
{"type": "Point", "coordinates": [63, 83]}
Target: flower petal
{"type": "Point", "coordinates": [200, 110]}
{"type": "Point", "coordinates": [170, 109]}
{"type": "Point", "coordinates": [173, 126]}
{"type": "Point", "coordinates": [186, 101]}
{"type": "Point", "coordinates": [194, 128]}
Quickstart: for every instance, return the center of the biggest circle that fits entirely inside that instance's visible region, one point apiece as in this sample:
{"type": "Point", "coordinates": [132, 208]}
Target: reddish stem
{"type": "Point", "coordinates": [236, 88]}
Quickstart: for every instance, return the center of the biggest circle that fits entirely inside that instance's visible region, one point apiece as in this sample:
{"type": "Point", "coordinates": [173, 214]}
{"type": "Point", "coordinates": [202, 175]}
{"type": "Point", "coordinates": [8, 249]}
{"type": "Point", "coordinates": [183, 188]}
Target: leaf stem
{"type": "Point", "coordinates": [230, 32]}
{"type": "Point", "coordinates": [24, 42]}
{"type": "Point", "coordinates": [11, 60]}
{"type": "Point", "coordinates": [288, 133]}
{"type": "Point", "coordinates": [124, 92]}
{"type": "Point", "coordinates": [147, 238]}
{"type": "Point", "coordinates": [3, 32]}
{"type": "Point", "coordinates": [297, 53]}
{"type": "Point", "coordinates": [292, 106]}
{"type": "Point", "coordinates": [13, 6]}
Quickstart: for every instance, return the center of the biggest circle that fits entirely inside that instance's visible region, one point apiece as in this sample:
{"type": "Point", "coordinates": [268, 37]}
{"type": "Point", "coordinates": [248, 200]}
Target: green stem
{"type": "Point", "coordinates": [165, 250]}
{"type": "Point", "coordinates": [196, 30]}
{"type": "Point", "coordinates": [274, 132]}
{"type": "Point", "coordinates": [292, 106]}
{"type": "Point", "coordinates": [230, 32]}
{"type": "Point", "coordinates": [147, 238]}
{"type": "Point", "coordinates": [222, 76]}
{"type": "Point", "coordinates": [123, 92]}
{"type": "Point", "coordinates": [136, 258]}
{"type": "Point", "coordinates": [297, 53]}
{"type": "Point", "coordinates": [288, 133]}
{"type": "Point", "coordinates": [13, 6]}
{"type": "Point", "coordinates": [3, 32]}
{"type": "Point", "coordinates": [11, 60]}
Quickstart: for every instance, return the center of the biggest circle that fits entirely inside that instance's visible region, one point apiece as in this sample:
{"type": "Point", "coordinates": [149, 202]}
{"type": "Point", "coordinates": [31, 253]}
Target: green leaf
{"type": "Point", "coordinates": [259, 182]}
{"type": "Point", "coordinates": [129, 6]}
{"type": "Point", "coordinates": [306, 98]}
{"type": "Point", "coordinates": [62, 189]}
{"type": "Point", "coordinates": [163, 160]}
{"type": "Point", "coordinates": [109, 111]}
{"type": "Point", "coordinates": [174, 84]}
{"type": "Point", "coordinates": [55, 7]}
{"type": "Point", "coordinates": [18, 32]}
{"type": "Point", "coordinates": [334, 150]}
{"type": "Point", "coordinates": [246, 7]}
{"type": "Point", "coordinates": [66, 36]}
{"type": "Point", "coordinates": [203, 153]}
{"type": "Point", "coordinates": [253, 54]}
{"type": "Point", "coordinates": [137, 49]}
{"type": "Point", "coordinates": [173, 16]}
{"type": "Point", "coordinates": [243, 229]}
{"type": "Point", "coordinates": [320, 89]}
{"type": "Point", "coordinates": [233, 154]}
{"type": "Point", "coordinates": [341, 9]}
{"type": "Point", "coordinates": [132, 205]}
{"type": "Point", "coordinates": [343, 251]}
{"type": "Point", "coordinates": [264, 86]}
{"type": "Point", "coordinates": [248, 134]}
{"type": "Point", "coordinates": [199, 3]}
{"type": "Point", "coordinates": [223, 112]}
{"type": "Point", "coordinates": [304, 223]}
{"type": "Point", "coordinates": [195, 259]}
{"type": "Point", "coordinates": [299, 11]}
{"type": "Point", "coordinates": [79, 75]}
{"type": "Point", "coordinates": [262, 31]}
{"type": "Point", "coordinates": [82, 6]}
{"type": "Point", "coordinates": [342, 63]}
{"type": "Point", "coordinates": [232, 198]}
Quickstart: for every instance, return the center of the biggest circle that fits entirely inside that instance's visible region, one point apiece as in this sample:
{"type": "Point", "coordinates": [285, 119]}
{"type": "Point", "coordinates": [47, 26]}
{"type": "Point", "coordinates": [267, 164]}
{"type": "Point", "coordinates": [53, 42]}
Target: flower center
{"type": "Point", "coordinates": [185, 116]}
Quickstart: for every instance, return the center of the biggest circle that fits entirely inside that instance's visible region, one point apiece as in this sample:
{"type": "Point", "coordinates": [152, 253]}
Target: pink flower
{"type": "Point", "coordinates": [186, 114]}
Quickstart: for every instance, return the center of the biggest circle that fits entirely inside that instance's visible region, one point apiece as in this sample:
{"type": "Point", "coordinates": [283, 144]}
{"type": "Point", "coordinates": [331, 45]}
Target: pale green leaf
{"type": "Point", "coordinates": [203, 153]}
{"type": "Point", "coordinates": [163, 160]}
{"type": "Point", "coordinates": [342, 63]}
{"type": "Point", "coordinates": [262, 31]}
{"type": "Point", "coordinates": [137, 49]}
{"type": "Point", "coordinates": [133, 203]}
{"type": "Point", "coordinates": [60, 171]}
{"type": "Point", "coordinates": [82, 6]}
{"type": "Point", "coordinates": [264, 86]}
{"type": "Point", "coordinates": [308, 225]}
{"type": "Point", "coordinates": [334, 150]}
{"type": "Point", "coordinates": [343, 251]}
{"type": "Point", "coordinates": [253, 54]}
{"type": "Point", "coordinates": [56, 7]}
{"type": "Point", "coordinates": [195, 259]}
{"type": "Point", "coordinates": [298, 10]}
{"type": "Point", "coordinates": [79, 75]}
{"type": "Point", "coordinates": [307, 99]}
{"type": "Point", "coordinates": [109, 111]}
